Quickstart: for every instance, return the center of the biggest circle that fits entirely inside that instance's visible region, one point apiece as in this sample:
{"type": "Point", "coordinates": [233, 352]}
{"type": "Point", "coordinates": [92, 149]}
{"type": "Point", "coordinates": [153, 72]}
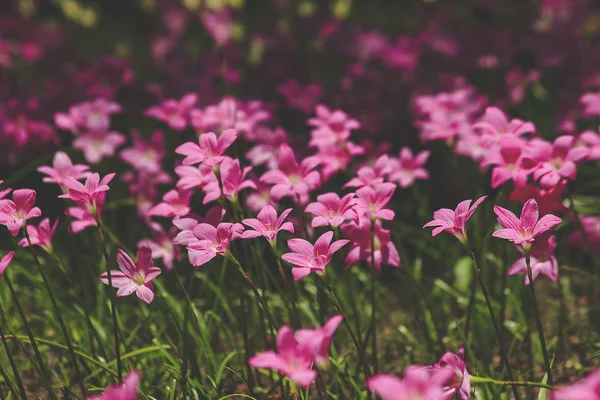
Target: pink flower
{"type": "Point", "coordinates": [409, 168]}
{"type": "Point", "coordinates": [371, 201]}
{"type": "Point", "coordinates": [459, 383]}
{"type": "Point", "coordinates": [14, 213]}
{"type": "Point", "coordinates": [210, 149]}
{"type": "Point", "coordinates": [87, 195]}
{"type": "Point", "coordinates": [591, 104]}
{"type": "Point", "coordinates": [308, 258]}
{"type": "Point", "coordinates": [232, 179]}
{"type": "Point", "coordinates": [292, 179]}
{"type": "Point", "coordinates": [191, 177]}
{"type": "Point", "coordinates": [210, 241]}
{"type": "Point", "coordinates": [360, 238]}
{"type": "Point", "coordinates": [557, 161]}
{"type": "Point", "coordinates": [267, 224]}
{"type": "Point", "coordinates": [175, 203]}
{"type": "Point", "coordinates": [134, 277]}
{"type": "Point", "coordinates": [494, 124]}
{"type": "Point", "coordinates": [320, 339]}
{"type": "Point", "coordinates": [82, 218]}
{"type": "Point", "coordinates": [213, 217]}
{"type": "Point", "coordinates": [331, 127]}
{"type": "Point", "coordinates": [62, 168]}
{"type": "Point", "coordinates": [525, 230]}
{"type": "Point", "coordinates": [97, 145]}
{"type": "Point", "coordinates": [260, 198]}
{"type": "Point", "coordinates": [587, 388]}
{"type": "Point", "coordinates": [219, 24]}
{"type": "Point", "coordinates": [145, 156]}
{"type": "Point", "coordinates": [454, 222]}
{"type": "Point", "coordinates": [591, 140]}
{"type": "Point", "coordinates": [549, 199]}
{"type": "Point", "coordinates": [329, 209]}
{"type": "Point", "coordinates": [173, 112]}
{"type": "Point", "coordinates": [510, 162]}
{"type": "Point", "coordinates": [542, 260]}
{"type": "Point", "coordinates": [5, 192]}
{"type": "Point", "coordinates": [372, 176]}
{"type": "Point", "coordinates": [293, 358]}
{"type": "Point", "coordinates": [419, 382]}
{"type": "Point", "coordinates": [40, 235]}
{"type": "Point", "coordinates": [90, 116]}
{"type": "Point", "coordinates": [266, 151]}
{"type": "Point", "coordinates": [161, 245]}
{"type": "Point", "coordinates": [5, 261]}
{"type": "Point", "coordinates": [128, 390]}
{"type": "Point", "coordinates": [301, 97]}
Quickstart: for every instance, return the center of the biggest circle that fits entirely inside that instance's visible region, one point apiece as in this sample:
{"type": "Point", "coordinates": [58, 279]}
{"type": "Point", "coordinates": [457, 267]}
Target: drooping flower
{"type": "Point", "coordinates": [62, 168]}
{"type": "Point", "coordinates": [557, 160]}
{"type": "Point", "coordinates": [524, 230]}
{"type": "Point", "coordinates": [210, 241]}
{"type": "Point", "coordinates": [14, 213]}
{"type": "Point", "coordinates": [40, 235]}
{"type": "Point", "coordinates": [175, 203]}
{"type": "Point", "coordinates": [459, 383]}
{"type": "Point", "coordinates": [174, 113]}
{"type": "Point", "coordinates": [454, 221]}
{"type": "Point", "coordinates": [409, 168]}
{"type": "Point", "coordinates": [587, 388]}
{"type": "Point", "coordinates": [320, 339]}
{"type": "Point", "coordinates": [510, 161]}
{"type": "Point", "coordinates": [134, 277]}
{"type": "Point", "coordinates": [97, 145]}
{"type": "Point", "coordinates": [210, 149]}
{"type": "Point", "coordinates": [5, 261]}
{"type": "Point", "coordinates": [307, 258]}
{"type": "Point", "coordinates": [360, 240]}
{"type": "Point", "coordinates": [419, 382]}
{"type": "Point", "coordinates": [542, 260]}
{"type": "Point", "coordinates": [329, 209]}
{"type": "Point", "coordinates": [372, 201]}
{"type": "Point", "coordinates": [267, 224]}
{"type": "Point", "coordinates": [128, 390]}
{"type": "Point", "coordinates": [87, 195]}
{"type": "Point", "coordinates": [293, 359]}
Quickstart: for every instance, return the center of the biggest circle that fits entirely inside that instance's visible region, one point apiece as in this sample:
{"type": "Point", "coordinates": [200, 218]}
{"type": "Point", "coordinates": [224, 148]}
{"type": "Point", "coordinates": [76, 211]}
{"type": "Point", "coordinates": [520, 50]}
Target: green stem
{"type": "Point", "coordinates": [478, 379]}
{"type": "Point", "coordinates": [373, 298]}
{"type": "Point", "coordinates": [488, 302]}
{"type": "Point", "coordinates": [290, 289]}
{"type": "Point", "coordinates": [10, 358]}
{"type": "Point", "coordinates": [538, 319]}
{"type": "Point", "coordinates": [57, 313]}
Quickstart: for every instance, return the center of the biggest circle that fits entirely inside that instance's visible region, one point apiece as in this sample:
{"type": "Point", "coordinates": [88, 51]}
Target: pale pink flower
{"type": "Point", "coordinates": [62, 168]}
{"type": "Point", "coordinates": [587, 388]}
{"type": "Point", "coordinates": [525, 230]}
{"type": "Point", "coordinates": [161, 245]}
{"type": "Point", "coordinates": [186, 225]}
{"type": "Point", "coordinates": [473, 146]}
{"type": "Point", "coordinates": [5, 261]}
{"type": "Point", "coordinates": [372, 176]}
{"type": "Point", "coordinates": [81, 218]}
{"type": "Point", "coordinates": [542, 260]}
{"type": "Point", "coordinates": [320, 339]}
{"type": "Point", "coordinates": [459, 383]}
{"type": "Point", "coordinates": [419, 382]}
{"type": "Point", "coordinates": [260, 198]}
{"type": "Point", "coordinates": [87, 195]}
{"type": "Point", "coordinates": [175, 203]}
{"type": "Point", "coordinates": [97, 145]}
{"type": "Point", "coordinates": [267, 224]}
{"type": "Point", "coordinates": [268, 148]}
{"type": "Point", "coordinates": [293, 359]}
{"type": "Point", "coordinates": [510, 161]}
{"type": "Point", "coordinates": [210, 149]}
{"type": "Point", "coordinates": [40, 235]}
{"type": "Point", "coordinates": [591, 140]}
{"type": "Point", "coordinates": [409, 168]}
{"type": "Point", "coordinates": [557, 160]}
{"type": "Point", "coordinates": [454, 221]}
{"type": "Point", "coordinates": [292, 179]}
{"type": "Point", "coordinates": [191, 176]}
{"type": "Point", "coordinates": [89, 116]}
{"type": "Point", "coordinates": [329, 209]}
{"type": "Point", "coordinates": [145, 156]}
{"type": "Point", "coordinates": [591, 104]}
{"type": "Point", "coordinates": [173, 112]}
{"type": "Point", "coordinates": [14, 213]}
{"type": "Point", "coordinates": [211, 241]}
{"type": "Point", "coordinates": [128, 390]}
{"type": "Point", "coordinates": [307, 258]}
{"type": "Point", "coordinates": [233, 180]}
{"type": "Point", "coordinates": [134, 277]}
{"type": "Point", "coordinates": [331, 127]}
{"type": "Point", "coordinates": [360, 241]}
{"type": "Point", "coordinates": [372, 201]}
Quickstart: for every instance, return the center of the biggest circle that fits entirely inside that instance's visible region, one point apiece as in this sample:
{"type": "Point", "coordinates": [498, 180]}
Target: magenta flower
{"type": "Point", "coordinates": [173, 112]}
{"type": "Point", "coordinates": [329, 209]}
{"type": "Point", "coordinates": [128, 390]}
{"type": "Point", "coordinates": [14, 213]}
{"type": "Point", "coordinates": [371, 201]}
{"type": "Point", "coordinates": [213, 217]}
{"type": "Point", "coordinates": [307, 258]}
{"type": "Point", "coordinates": [587, 388]}
{"type": "Point", "coordinates": [510, 162]}
{"type": "Point", "coordinates": [82, 218]}
{"type": "Point", "coordinates": [591, 104]}
{"type": "Point", "coordinates": [495, 124]}
{"type": "Point", "coordinates": [459, 383]}
{"type": "Point", "coordinates": [210, 149]}
{"type": "Point", "coordinates": [62, 168]}
{"type": "Point", "coordinates": [211, 241]}
{"type": "Point", "coordinates": [134, 277]}
{"type": "Point", "coordinates": [409, 168]}
{"type": "Point", "coordinates": [524, 231]}
{"type": "Point", "coordinates": [5, 261]}
{"type": "Point", "coordinates": [419, 382]}
{"type": "Point", "coordinates": [292, 179]}
{"type": "Point", "coordinates": [372, 176]}
{"type": "Point", "coordinates": [175, 203]}
{"type": "Point", "coordinates": [87, 195]}
{"type": "Point", "coordinates": [97, 145]}
{"type": "Point", "coordinates": [542, 260]}
{"type": "Point", "coordinates": [40, 235]}
{"type": "Point", "coordinates": [267, 224]}
{"type": "Point", "coordinates": [331, 127]}
{"type": "Point", "coordinates": [301, 97]}
{"type": "Point", "coordinates": [233, 179]}
{"type": "Point", "coordinates": [293, 359]}
{"type": "Point", "coordinates": [558, 160]}
{"type": "Point", "coordinates": [145, 156]}
{"type": "Point", "coordinates": [454, 222]}
{"type": "Point", "coordinates": [320, 339]}
{"type": "Point", "coordinates": [360, 238]}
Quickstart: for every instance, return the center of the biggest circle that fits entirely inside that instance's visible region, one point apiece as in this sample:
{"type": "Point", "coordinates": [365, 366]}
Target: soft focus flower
{"type": "Point", "coordinates": [549, 199]}
{"type": "Point", "coordinates": [459, 383]}
{"type": "Point", "coordinates": [161, 245]}
{"type": "Point", "coordinates": [40, 235]}
{"type": "Point", "coordinates": [331, 127]}
{"type": "Point", "coordinates": [418, 383]}
{"type": "Point", "coordinates": [557, 160]}
{"type": "Point", "coordinates": [372, 201]}
{"type": "Point", "coordinates": [89, 116]}
{"type": "Point", "coordinates": [174, 113]}
{"type": "Point", "coordinates": [210, 241]}
{"type": "Point", "coordinates": [372, 176]}
{"type": "Point", "coordinates": [97, 145]}
{"type": "Point", "coordinates": [267, 224]}
{"type": "Point", "coordinates": [145, 156]}
{"type": "Point", "coordinates": [329, 209]}
{"type": "Point", "coordinates": [360, 238]}
{"type": "Point", "coordinates": [134, 277]}
{"type": "Point", "coordinates": [320, 339]}
{"type": "Point", "coordinates": [14, 213]}
{"type": "Point", "coordinates": [307, 258]}
{"type": "Point", "coordinates": [409, 168]}
{"type": "Point", "coordinates": [454, 221]}
{"type": "Point", "coordinates": [62, 168]}
{"type": "Point", "coordinates": [301, 97]}
{"type": "Point", "coordinates": [494, 125]}
{"type": "Point", "coordinates": [87, 195]}
{"type": "Point", "coordinates": [510, 162]}
{"type": "Point", "coordinates": [525, 230]}
{"type": "Point", "coordinates": [81, 218]}
{"type": "Point", "coordinates": [591, 226]}
{"type": "Point", "coordinates": [591, 104]}
{"type": "Point", "coordinates": [587, 388]}
{"type": "Point", "coordinates": [128, 390]}
{"type": "Point", "coordinates": [542, 260]}
{"type": "Point", "coordinates": [5, 261]}
{"type": "Point", "coordinates": [175, 203]}
{"type": "Point", "coordinates": [210, 149]}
